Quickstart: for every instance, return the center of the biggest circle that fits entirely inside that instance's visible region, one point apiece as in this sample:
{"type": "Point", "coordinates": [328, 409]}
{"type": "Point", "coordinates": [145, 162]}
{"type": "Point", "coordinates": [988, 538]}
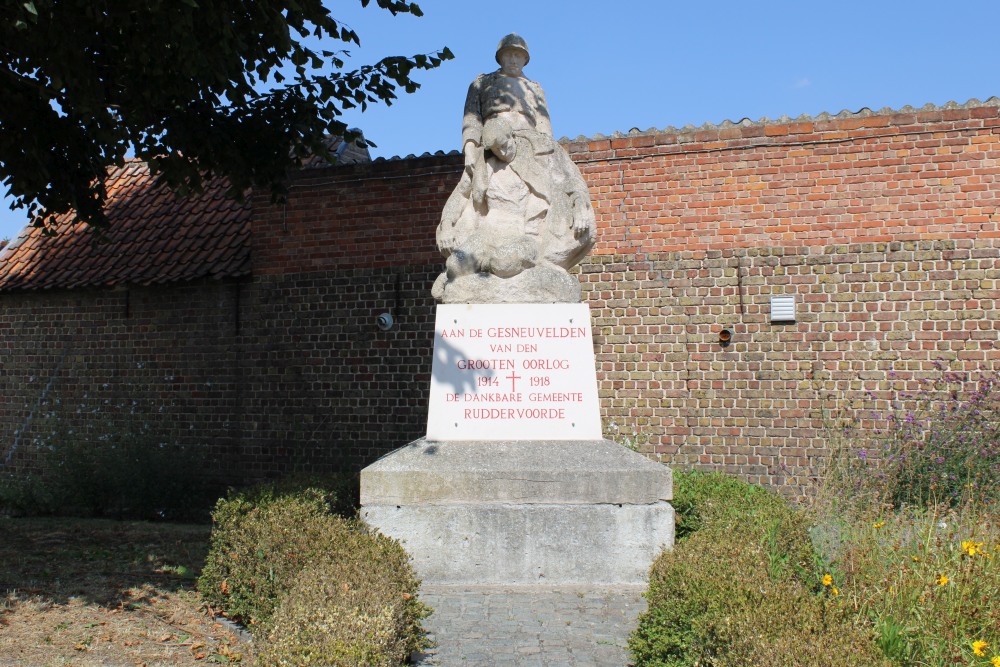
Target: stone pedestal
{"type": "Point", "coordinates": [522, 512]}
{"type": "Point", "coordinates": [513, 483]}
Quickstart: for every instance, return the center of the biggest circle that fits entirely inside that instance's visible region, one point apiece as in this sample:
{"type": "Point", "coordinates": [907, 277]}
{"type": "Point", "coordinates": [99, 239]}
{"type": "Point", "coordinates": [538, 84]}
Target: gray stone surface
{"type": "Point", "coordinates": [507, 543]}
{"type": "Point", "coordinates": [521, 211]}
{"type": "Point", "coordinates": [518, 627]}
{"type": "Point", "coordinates": [549, 471]}
{"type": "Point", "coordinates": [537, 284]}
{"type": "Point", "coordinates": [581, 513]}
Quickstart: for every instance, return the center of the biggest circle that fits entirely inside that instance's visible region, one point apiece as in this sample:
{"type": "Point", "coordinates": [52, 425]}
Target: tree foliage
{"type": "Point", "coordinates": [197, 88]}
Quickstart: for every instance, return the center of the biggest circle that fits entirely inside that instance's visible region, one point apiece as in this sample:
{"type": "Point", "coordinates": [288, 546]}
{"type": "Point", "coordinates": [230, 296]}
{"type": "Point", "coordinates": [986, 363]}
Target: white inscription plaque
{"type": "Point", "coordinates": [513, 372]}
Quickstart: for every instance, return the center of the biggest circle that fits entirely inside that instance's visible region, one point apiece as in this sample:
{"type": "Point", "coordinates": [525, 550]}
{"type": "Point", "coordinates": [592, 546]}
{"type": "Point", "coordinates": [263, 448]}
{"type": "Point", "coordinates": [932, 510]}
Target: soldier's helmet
{"type": "Point", "coordinates": [516, 42]}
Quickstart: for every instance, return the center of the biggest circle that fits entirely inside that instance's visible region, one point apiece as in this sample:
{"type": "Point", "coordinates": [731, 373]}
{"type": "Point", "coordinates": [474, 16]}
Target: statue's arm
{"type": "Point", "coordinates": [472, 121]}
{"type": "Point", "coordinates": [543, 123]}
{"type": "Point", "coordinates": [448, 232]}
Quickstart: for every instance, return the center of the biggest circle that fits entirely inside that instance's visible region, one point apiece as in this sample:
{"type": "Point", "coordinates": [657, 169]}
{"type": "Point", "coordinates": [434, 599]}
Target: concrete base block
{"type": "Point", "coordinates": [494, 544]}
{"type": "Point", "coordinates": [514, 513]}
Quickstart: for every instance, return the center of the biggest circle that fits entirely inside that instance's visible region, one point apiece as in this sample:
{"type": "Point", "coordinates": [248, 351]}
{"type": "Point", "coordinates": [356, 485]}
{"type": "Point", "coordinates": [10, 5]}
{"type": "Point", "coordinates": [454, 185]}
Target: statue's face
{"type": "Point", "coordinates": [512, 61]}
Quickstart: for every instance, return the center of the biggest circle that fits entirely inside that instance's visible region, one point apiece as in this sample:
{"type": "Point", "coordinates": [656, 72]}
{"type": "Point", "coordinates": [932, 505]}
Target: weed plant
{"type": "Point", "coordinates": [901, 565]}
{"type": "Point", "coordinates": [111, 465]}
{"type": "Point", "coordinates": [927, 579]}
{"type": "Point", "coordinates": [939, 444]}
{"type": "Point", "coordinates": [907, 519]}
{"type": "Point", "coordinates": [630, 438]}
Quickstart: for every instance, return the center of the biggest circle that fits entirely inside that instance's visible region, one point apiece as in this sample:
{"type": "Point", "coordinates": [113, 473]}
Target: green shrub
{"type": "Point", "coordinates": [311, 586]}
{"type": "Point", "coordinates": [337, 493]}
{"type": "Point", "coordinates": [702, 499]}
{"type": "Point", "coordinates": [741, 588]}
{"type": "Point", "coordinates": [358, 610]}
{"type": "Point", "coordinates": [261, 539]}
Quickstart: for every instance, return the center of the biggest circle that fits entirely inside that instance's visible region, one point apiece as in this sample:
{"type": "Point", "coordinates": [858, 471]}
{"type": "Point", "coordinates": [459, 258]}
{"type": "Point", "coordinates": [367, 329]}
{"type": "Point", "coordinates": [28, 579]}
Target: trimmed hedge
{"type": "Point", "coordinates": [314, 588]}
{"type": "Point", "coordinates": [348, 613]}
{"type": "Point", "coordinates": [740, 587]}
{"type": "Point", "coordinates": [260, 541]}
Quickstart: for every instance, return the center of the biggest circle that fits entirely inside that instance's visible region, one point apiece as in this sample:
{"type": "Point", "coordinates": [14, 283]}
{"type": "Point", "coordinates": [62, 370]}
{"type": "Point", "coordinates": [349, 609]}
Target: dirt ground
{"type": "Point", "coordinates": [94, 592]}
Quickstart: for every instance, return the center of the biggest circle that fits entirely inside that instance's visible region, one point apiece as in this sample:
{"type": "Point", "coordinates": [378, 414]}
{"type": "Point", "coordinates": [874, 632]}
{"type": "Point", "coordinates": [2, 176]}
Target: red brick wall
{"type": "Point", "coordinates": [157, 360]}
{"type": "Point", "coordinates": [883, 226]}
{"type": "Point", "coordinates": [349, 244]}
{"type": "Point", "coordinates": [893, 177]}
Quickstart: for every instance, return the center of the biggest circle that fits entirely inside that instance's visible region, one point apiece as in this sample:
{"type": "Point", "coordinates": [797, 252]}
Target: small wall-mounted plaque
{"type": "Point", "coordinates": [782, 308]}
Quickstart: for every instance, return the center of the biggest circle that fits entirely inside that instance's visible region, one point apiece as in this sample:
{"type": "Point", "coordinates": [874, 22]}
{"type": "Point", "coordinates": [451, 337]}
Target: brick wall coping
{"type": "Point", "coordinates": [729, 131]}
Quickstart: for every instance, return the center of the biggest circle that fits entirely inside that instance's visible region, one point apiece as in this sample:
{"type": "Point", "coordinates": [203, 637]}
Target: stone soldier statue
{"type": "Point", "coordinates": [521, 214]}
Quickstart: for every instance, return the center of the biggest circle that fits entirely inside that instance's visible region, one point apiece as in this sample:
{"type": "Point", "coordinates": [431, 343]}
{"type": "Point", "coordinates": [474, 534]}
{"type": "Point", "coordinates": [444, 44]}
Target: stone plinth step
{"type": "Point", "coordinates": [550, 472]}
{"type": "Point", "coordinates": [511, 513]}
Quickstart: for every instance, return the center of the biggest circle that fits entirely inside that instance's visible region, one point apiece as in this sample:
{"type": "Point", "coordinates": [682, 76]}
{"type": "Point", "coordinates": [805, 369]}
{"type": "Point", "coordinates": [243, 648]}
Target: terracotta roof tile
{"type": "Point", "coordinates": [153, 237]}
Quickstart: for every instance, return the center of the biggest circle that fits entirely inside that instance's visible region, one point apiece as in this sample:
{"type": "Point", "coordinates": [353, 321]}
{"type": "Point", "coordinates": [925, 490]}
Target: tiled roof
{"type": "Point", "coordinates": [865, 112]}
{"type": "Point", "coordinates": [745, 122]}
{"type": "Point", "coordinates": [153, 237]}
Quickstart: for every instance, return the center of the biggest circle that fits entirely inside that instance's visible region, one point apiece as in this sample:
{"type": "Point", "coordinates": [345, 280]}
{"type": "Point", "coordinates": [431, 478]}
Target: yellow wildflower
{"type": "Point", "coordinates": [835, 591]}
{"type": "Point", "coordinates": [942, 580]}
{"type": "Point", "coordinates": [915, 559]}
{"type": "Point", "coordinates": [972, 548]}
{"type": "Point", "coordinates": [879, 524]}
{"type": "Point", "coordinates": [827, 580]}
{"type": "Point", "coordinates": [995, 661]}
{"type": "Point", "coordinates": [979, 647]}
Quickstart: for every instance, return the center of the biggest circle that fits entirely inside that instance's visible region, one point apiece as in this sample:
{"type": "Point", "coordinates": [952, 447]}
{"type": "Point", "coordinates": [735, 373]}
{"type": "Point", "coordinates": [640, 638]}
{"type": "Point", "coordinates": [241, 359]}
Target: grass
{"type": "Point", "coordinates": [907, 517]}
{"type": "Point", "coordinates": [925, 579]}
{"type": "Point", "coordinates": [98, 592]}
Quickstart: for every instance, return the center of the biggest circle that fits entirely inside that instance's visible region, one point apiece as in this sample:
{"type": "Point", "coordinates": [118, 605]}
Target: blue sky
{"type": "Point", "coordinates": [611, 66]}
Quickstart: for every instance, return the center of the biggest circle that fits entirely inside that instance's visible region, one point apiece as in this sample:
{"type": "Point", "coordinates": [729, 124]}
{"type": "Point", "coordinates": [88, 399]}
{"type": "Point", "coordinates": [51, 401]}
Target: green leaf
{"type": "Point", "coordinates": [187, 101]}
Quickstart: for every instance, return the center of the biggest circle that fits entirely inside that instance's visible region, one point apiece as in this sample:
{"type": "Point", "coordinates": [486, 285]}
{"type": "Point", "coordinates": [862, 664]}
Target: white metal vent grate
{"type": "Point", "coordinates": [782, 308]}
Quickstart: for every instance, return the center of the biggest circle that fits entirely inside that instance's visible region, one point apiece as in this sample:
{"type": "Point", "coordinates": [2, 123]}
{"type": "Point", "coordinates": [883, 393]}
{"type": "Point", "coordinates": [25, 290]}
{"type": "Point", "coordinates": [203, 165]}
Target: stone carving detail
{"type": "Point", "coordinates": [521, 215]}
